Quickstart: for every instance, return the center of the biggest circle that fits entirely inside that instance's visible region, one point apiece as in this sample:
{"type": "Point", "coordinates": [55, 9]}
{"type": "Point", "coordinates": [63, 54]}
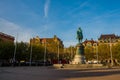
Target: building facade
{"type": "Point", "coordinates": [52, 44]}
{"type": "Point", "coordinates": [109, 41]}
{"type": "Point", "coordinates": [6, 38]}
{"type": "Point", "coordinates": [91, 50]}
{"type": "Point", "coordinates": [91, 42]}
{"type": "Point", "coordinates": [109, 38]}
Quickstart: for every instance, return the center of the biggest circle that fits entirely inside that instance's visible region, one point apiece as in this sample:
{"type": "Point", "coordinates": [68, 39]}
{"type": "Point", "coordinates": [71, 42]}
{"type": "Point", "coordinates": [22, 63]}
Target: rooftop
{"type": "Point", "coordinates": [6, 35]}
{"type": "Point", "coordinates": [108, 36]}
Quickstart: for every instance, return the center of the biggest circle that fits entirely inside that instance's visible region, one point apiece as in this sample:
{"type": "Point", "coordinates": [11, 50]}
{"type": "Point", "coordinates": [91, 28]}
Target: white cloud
{"type": "Point", "coordinates": [13, 29]}
{"type": "Point", "coordinates": [85, 3]}
{"type": "Point", "coordinates": [78, 9]}
{"type": "Point", "coordinates": [69, 43]}
{"type": "Point", "coordinates": [6, 25]}
{"type": "Point", "coordinates": [46, 8]}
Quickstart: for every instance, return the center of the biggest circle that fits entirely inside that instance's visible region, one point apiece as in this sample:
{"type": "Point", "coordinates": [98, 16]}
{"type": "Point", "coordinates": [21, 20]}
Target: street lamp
{"type": "Point", "coordinates": [58, 52]}
{"type": "Point", "coordinates": [15, 52]}
{"type": "Point", "coordinates": [45, 52]}
{"type": "Point", "coordinates": [14, 57]}
{"type": "Point", "coordinates": [111, 53]}
{"type": "Point", "coordinates": [71, 52]}
{"type": "Point", "coordinates": [97, 51]}
{"type": "Point", "coordinates": [30, 54]}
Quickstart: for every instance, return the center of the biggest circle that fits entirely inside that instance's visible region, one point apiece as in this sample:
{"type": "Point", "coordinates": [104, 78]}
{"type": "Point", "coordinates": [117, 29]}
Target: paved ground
{"type": "Point", "coordinates": [47, 73]}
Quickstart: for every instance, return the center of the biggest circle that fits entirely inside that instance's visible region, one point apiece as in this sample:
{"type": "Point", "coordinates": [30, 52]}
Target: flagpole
{"type": "Point", "coordinates": [97, 52]}
{"type": "Point", "coordinates": [45, 52]}
{"type": "Point", "coordinates": [14, 57]}
{"type": "Point", "coordinates": [111, 52]}
{"type": "Point", "coordinates": [30, 54]}
{"type": "Point", "coordinates": [58, 52]}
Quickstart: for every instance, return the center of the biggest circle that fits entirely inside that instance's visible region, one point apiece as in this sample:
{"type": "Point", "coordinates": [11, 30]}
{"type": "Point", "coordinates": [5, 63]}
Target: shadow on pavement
{"type": "Point", "coordinates": [46, 73]}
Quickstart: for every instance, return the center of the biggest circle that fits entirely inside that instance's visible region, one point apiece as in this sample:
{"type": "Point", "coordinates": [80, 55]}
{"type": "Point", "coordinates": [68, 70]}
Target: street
{"type": "Point", "coordinates": [49, 73]}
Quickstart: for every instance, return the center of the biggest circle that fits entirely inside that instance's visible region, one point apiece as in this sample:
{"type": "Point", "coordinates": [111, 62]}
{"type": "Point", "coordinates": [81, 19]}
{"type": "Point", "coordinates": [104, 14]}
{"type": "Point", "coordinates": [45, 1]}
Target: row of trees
{"type": "Point", "coordinates": [103, 52]}
{"type": "Point", "coordinates": [6, 50]}
{"type": "Point", "coordinates": [38, 51]}
{"type": "Point", "coordinates": [23, 51]}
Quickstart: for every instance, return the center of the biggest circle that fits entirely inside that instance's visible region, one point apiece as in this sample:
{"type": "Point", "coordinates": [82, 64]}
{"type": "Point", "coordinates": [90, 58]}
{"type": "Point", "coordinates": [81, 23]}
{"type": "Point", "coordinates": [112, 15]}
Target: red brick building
{"type": "Point", "coordinates": [90, 43]}
{"type": "Point", "coordinates": [6, 38]}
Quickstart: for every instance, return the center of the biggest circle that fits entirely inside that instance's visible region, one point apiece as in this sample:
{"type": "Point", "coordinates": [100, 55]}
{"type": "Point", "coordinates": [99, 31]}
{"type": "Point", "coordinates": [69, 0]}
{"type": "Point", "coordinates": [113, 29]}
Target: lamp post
{"type": "Point", "coordinates": [45, 52]}
{"type": "Point", "coordinates": [97, 51]}
{"type": "Point", "coordinates": [30, 54]}
{"type": "Point", "coordinates": [14, 57]}
{"type": "Point", "coordinates": [111, 53]}
{"type": "Point", "coordinates": [71, 52]}
{"type": "Point", "coordinates": [15, 52]}
{"type": "Point", "coordinates": [58, 52]}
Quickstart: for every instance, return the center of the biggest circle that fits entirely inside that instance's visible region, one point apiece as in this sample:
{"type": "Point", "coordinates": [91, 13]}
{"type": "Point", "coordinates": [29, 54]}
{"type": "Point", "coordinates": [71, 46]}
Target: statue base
{"type": "Point", "coordinates": [79, 57]}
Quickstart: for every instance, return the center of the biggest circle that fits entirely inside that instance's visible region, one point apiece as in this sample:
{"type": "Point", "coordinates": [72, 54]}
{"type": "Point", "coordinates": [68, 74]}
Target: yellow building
{"type": "Point", "coordinates": [52, 44]}
{"type": "Point", "coordinates": [90, 43]}
{"type": "Point", "coordinates": [91, 50]}
{"type": "Point", "coordinates": [109, 38]}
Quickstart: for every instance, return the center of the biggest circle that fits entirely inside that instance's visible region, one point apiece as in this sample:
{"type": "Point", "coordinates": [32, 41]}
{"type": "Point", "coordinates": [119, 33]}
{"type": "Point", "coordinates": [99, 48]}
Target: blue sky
{"type": "Point", "coordinates": [46, 18]}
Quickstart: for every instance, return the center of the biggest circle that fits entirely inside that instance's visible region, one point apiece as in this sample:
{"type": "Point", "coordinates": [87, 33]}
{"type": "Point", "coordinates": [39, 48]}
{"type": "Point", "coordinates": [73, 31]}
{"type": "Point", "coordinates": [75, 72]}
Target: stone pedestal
{"type": "Point", "coordinates": [79, 57]}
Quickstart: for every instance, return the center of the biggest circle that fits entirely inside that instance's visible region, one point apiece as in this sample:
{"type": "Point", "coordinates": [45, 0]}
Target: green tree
{"type": "Point", "coordinates": [89, 54]}
{"type": "Point", "coordinates": [21, 51]}
{"type": "Point", "coordinates": [116, 51]}
{"type": "Point", "coordinates": [104, 51]}
{"type": "Point", "coordinates": [6, 50]}
{"type": "Point", "coordinates": [37, 52]}
{"type": "Point", "coordinates": [69, 53]}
